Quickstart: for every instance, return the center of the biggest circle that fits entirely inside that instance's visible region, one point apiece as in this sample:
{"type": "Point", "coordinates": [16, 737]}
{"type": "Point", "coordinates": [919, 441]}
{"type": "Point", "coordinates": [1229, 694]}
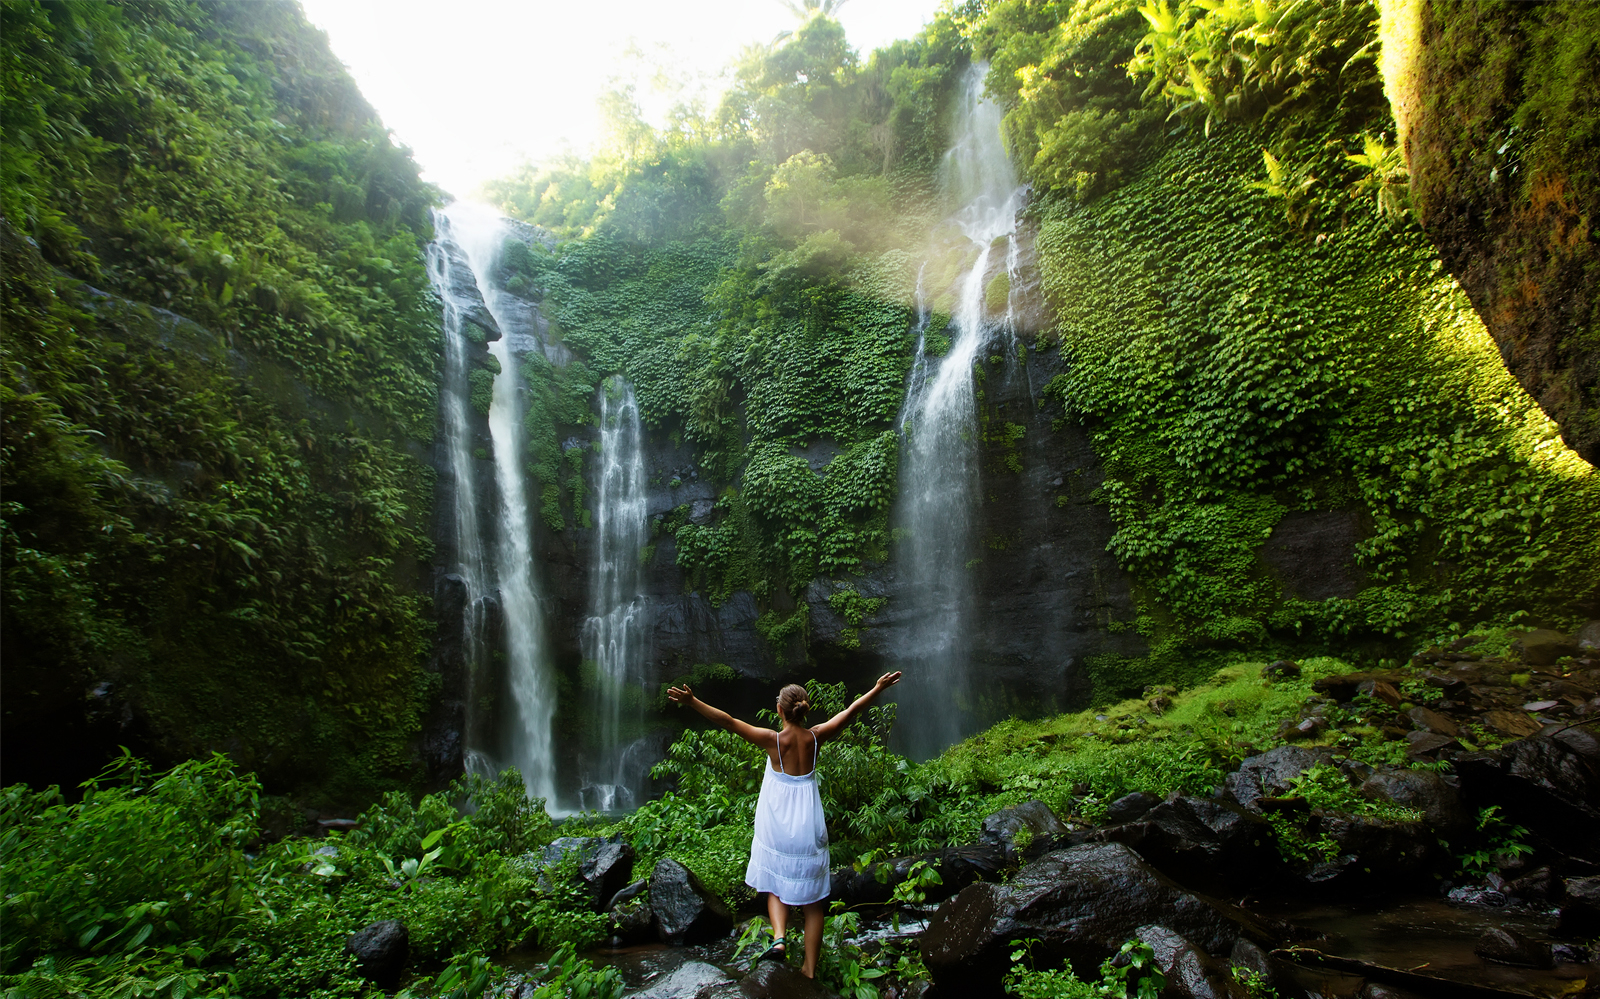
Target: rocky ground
{"type": "Point", "coordinates": [1471, 869]}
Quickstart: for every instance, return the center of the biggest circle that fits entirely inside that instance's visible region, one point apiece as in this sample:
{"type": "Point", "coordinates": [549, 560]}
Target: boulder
{"type": "Point", "coordinates": [1247, 955]}
{"type": "Point", "coordinates": [1538, 885]}
{"type": "Point", "coordinates": [1280, 669]}
{"type": "Point", "coordinates": [1271, 774]}
{"type": "Point", "coordinates": [1477, 895]}
{"type": "Point", "coordinates": [685, 910]}
{"type": "Point", "coordinates": [631, 919]}
{"type": "Point", "coordinates": [957, 866]}
{"type": "Point", "coordinates": [380, 950]}
{"type": "Point", "coordinates": [1580, 908]}
{"type": "Point", "coordinates": [1043, 829]}
{"type": "Point", "coordinates": [692, 980]}
{"type": "Point", "coordinates": [1438, 800]}
{"type": "Point", "coordinates": [1191, 972]}
{"type": "Point", "coordinates": [1130, 807]}
{"type": "Point", "coordinates": [1507, 946]}
{"type": "Point", "coordinates": [604, 865]}
{"type": "Point", "coordinates": [1422, 743]}
{"type": "Point", "coordinates": [1345, 687]}
{"type": "Point", "coordinates": [779, 980]}
{"type": "Point", "coordinates": [1516, 724]}
{"type": "Point", "coordinates": [1542, 647]}
{"type": "Point", "coordinates": [1374, 854]}
{"type": "Point", "coordinates": [1204, 844]}
{"type": "Point", "coordinates": [1547, 784]}
{"type": "Point", "coordinates": [1588, 637]}
{"type": "Point", "coordinates": [1433, 721]}
{"type": "Point", "coordinates": [1080, 903]}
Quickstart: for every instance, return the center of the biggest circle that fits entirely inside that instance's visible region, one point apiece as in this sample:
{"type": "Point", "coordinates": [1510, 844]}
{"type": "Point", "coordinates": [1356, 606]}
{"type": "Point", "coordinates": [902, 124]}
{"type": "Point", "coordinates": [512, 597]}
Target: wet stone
{"type": "Point", "coordinates": [1506, 946]}
{"type": "Point", "coordinates": [1130, 807]}
{"type": "Point", "coordinates": [1433, 721]}
{"type": "Point", "coordinates": [380, 950]}
{"type": "Point", "coordinates": [686, 911]}
{"type": "Point", "coordinates": [694, 980]}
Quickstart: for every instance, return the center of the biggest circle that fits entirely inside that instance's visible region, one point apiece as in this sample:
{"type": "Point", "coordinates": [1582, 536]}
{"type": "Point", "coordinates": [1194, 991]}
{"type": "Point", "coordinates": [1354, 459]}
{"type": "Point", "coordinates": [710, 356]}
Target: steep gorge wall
{"type": "Point", "coordinates": [220, 358]}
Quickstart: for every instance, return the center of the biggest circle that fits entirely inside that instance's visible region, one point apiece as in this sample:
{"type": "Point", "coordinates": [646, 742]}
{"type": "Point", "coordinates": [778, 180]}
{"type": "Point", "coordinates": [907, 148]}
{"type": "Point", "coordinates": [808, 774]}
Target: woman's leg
{"type": "Point", "coordinates": [814, 914]}
{"type": "Point", "coordinates": [777, 914]}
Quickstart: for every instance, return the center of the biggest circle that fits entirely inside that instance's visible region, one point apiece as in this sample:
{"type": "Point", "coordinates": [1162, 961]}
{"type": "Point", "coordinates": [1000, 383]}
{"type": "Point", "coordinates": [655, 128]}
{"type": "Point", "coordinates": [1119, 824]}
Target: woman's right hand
{"type": "Point", "coordinates": [888, 680]}
{"type": "Point", "coordinates": [680, 695]}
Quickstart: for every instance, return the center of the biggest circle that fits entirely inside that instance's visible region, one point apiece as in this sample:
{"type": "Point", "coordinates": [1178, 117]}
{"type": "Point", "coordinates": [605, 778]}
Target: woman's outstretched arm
{"type": "Point", "coordinates": [833, 726]}
{"type": "Point", "coordinates": [766, 738]}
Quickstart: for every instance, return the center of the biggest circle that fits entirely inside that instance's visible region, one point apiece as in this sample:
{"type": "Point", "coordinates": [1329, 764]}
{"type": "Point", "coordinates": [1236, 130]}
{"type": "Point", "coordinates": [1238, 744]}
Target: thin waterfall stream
{"type": "Point", "coordinates": [939, 464]}
{"type": "Point", "coordinates": [614, 635]}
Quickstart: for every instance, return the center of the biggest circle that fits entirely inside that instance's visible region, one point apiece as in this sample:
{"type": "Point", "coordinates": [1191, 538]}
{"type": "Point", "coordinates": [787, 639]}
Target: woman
{"type": "Point", "coordinates": [789, 855]}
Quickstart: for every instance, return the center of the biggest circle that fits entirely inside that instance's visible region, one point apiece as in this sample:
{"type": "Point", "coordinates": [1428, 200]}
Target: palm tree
{"type": "Point", "coordinates": [805, 8]}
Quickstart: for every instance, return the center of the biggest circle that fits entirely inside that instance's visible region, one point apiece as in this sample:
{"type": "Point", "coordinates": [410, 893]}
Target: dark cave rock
{"type": "Point", "coordinates": [1001, 828]}
{"type": "Point", "coordinates": [686, 911]}
{"type": "Point", "coordinates": [1080, 903]}
{"type": "Point", "coordinates": [1191, 973]}
{"type": "Point", "coordinates": [1271, 774]}
{"type": "Point", "coordinates": [380, 950]}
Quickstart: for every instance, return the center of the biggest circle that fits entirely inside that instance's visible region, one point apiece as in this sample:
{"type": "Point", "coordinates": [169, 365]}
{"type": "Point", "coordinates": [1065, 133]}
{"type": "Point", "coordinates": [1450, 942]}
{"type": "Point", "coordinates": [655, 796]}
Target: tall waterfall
{"type": "Point", "coordinates": [464, 323]}
{"type": "Point", "coordinates": [939, 469]}
{"type": "Point", "coordinates": [614, 634]}
{"type": "Point", "coordinates": [524, 739]}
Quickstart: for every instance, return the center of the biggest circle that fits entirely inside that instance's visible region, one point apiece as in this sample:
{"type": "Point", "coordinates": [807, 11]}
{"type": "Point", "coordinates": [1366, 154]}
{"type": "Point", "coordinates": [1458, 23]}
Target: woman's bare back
{"type": "Point", "coordinates": [799, 747]}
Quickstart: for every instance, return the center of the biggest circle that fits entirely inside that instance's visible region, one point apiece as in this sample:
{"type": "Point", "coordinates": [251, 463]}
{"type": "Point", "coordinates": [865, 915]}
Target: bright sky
{"type": "Point", "coordinates": [475, 87]}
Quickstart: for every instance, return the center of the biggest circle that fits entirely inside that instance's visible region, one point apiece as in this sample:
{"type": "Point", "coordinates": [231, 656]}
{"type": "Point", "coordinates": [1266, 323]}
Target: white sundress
{"type": "Point", "coordinates": [789, 855]}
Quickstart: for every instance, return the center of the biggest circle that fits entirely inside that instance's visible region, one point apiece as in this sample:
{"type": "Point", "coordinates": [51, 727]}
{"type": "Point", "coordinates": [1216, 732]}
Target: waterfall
{"type": "Point", "coordinates": [465, 322]}
{"type": "Point", "coordinates": [524, 739]}
{"type": "Point", "coordinates": [939, 469]}
{"type": "Point", "coordinates": [614, 634]}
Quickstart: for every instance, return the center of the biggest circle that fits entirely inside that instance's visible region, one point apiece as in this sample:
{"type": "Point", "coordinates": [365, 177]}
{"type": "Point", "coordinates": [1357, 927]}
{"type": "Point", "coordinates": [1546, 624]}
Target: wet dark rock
{"type": "Point", "coordinates": [686, 911]}
{"type": "Point", "coordinates": [1312, 553]}
{"type": "Point", "coordinates": [1130, 807]}
{"type": "Point", "coordinates": [1345, 687]}
{"type": "Point", "coordinates": [1202, 843]}
{"type": "Point", "coordinates": [1250, 956]}
{"type": "Point", "coordinates": [1374, 854]}
{"type": "Point", "coordinates": [1272, 773]}
{"type": "Point", "coordinates": [604, 865]}
{"type": "Point", "coordinates": [631, 919]}
{"type": "Point", "coordinates": [957, 866]}
{"type": "Point", "coordinates": [693, 980]}
{"type": "Point", "coordinates": [1380, 690]}
{"type": "Point", "coordinates": [1081, 904]}
{"type": "Point", "coordinates": [1580, 907]}
{"type": "Point", "coordinates": [1540, 885]}
{"type": "Point", "coordinates": [1378, 990]}
{"type": "Point", "coordinates": [1543, 647]}
{"type": "Point", "coordinates": [1544, 782]}
{"type": "Point", "coordinates": [1438, 800]}
{"type": "Point", "coordinates": [1043, 829]}
{"type": "Point", "coordinates": [1423, 743]}
{"type": "Point", "coordinates": [1191, 972]}
{"type": "Point", "coordinates": [1477, 895]}
{"type": "Point", "coordinates": [1507, 946]}
{"type": "Point", "coordinates": [1433, 721]}
{"type": "Point", "coordinates": [1280, 669]}
{"type": "Point", "coordinates": [380, 950]}
{"type": "Point", "coordinates": [628, 894]}
{"type": "Point", "coordinates": [1566, 953]}
{"type": "Point", "coordinates": [1516, 724]}
{"type": "Point", "coordinates": [779, 980]}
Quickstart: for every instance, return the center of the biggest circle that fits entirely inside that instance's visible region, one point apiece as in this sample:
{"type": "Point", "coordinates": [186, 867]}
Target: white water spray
{"type": "Point", "coordinates": [939, 470]}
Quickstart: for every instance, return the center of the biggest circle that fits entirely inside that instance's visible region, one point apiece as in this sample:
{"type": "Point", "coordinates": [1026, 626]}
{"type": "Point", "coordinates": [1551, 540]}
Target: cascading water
{"type": "Point", "coordinates": [939, 468]}
{"type": "Point", "coordinates": [463, 308]}
{"type": "Point", "coordinates": [614, 634]}
{"type": "Point", "coordinates": [525, 741]}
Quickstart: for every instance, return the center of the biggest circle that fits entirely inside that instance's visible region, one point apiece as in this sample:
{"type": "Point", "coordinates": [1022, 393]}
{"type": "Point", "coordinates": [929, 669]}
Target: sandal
{"type": "Point", "coordinates": [776, 951]}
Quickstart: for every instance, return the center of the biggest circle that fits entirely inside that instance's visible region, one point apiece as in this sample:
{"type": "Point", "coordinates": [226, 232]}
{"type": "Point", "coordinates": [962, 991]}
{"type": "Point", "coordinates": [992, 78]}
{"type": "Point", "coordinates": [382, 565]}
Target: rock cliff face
{"type": "Point", "coordinates": [1499, 111]}
{"type": "Point", "coordinates": [1047, 589]}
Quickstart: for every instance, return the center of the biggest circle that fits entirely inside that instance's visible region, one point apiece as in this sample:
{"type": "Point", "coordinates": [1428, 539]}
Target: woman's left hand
{"type": "Point", "coordinates": [680, 695]}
